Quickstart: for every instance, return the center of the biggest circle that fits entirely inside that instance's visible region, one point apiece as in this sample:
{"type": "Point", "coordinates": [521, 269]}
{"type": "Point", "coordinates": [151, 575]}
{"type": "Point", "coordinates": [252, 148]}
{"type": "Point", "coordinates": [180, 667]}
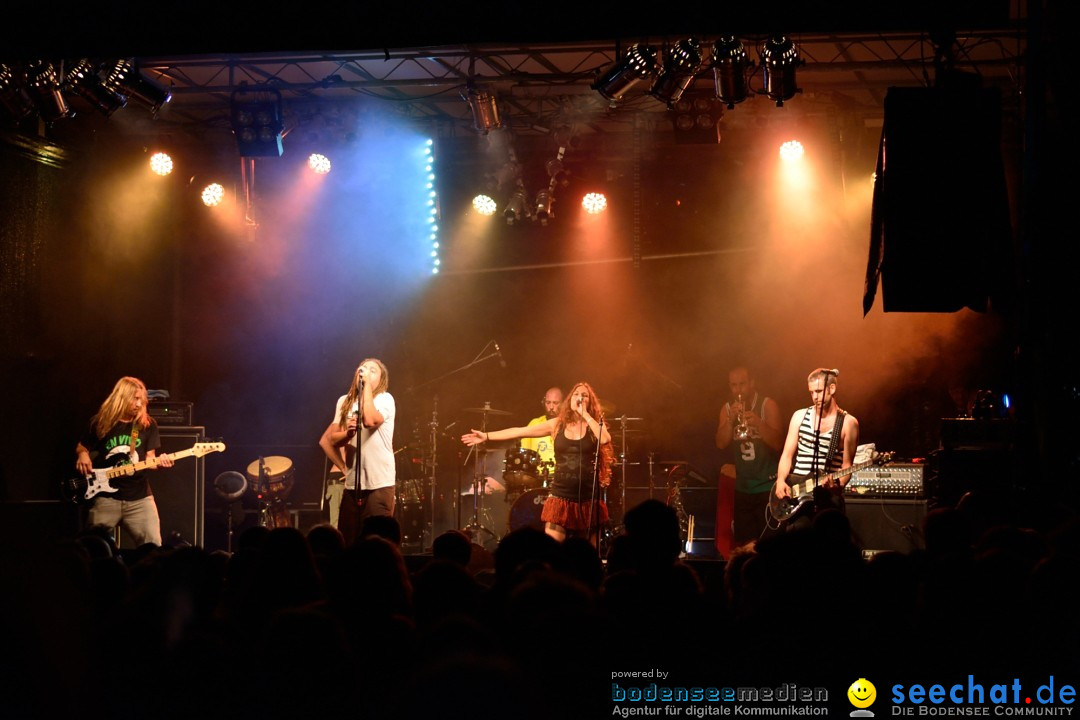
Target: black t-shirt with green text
{"type": "Point", "coordinates": [115, 449]}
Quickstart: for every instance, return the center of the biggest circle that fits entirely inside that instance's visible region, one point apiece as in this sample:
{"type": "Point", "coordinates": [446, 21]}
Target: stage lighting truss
{"type": "Point", "coordinates": [257, 117]}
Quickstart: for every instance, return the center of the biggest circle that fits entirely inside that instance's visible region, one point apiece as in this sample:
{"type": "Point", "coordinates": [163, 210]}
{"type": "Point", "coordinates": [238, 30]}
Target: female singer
{"type": "Point", "coordinates": [579, 424]}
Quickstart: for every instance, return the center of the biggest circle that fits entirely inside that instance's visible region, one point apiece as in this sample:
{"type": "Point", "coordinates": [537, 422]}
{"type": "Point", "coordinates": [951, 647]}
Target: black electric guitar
{"type": "Point", "coordinates": [803, 486]}
{"type": "Point", "coordinates": [82, 488]}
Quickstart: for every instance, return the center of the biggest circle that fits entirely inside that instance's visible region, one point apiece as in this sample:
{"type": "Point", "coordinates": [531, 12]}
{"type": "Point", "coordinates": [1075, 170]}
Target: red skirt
{"type": "Point", "coordinates": [572, 515]}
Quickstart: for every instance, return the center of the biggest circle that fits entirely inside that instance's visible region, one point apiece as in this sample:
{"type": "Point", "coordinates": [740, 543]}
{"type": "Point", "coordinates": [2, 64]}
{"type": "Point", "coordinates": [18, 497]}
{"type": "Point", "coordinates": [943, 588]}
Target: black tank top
{"type": "Point", "coordinates": [574, 459]}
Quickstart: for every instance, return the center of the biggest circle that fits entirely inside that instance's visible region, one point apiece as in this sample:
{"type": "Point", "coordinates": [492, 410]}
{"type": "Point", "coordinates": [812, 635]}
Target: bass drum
{"type": "Point", "coordinates": [525, 512]}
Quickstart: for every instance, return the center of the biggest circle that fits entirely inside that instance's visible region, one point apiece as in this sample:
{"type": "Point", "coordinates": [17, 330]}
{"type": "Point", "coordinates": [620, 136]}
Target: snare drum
{"type": "Point", "coordinates": [277, 478]}
{"type": "Point", "coordinates": [526, 510]}
{"type": "Point", "coordinates": [521, 470]}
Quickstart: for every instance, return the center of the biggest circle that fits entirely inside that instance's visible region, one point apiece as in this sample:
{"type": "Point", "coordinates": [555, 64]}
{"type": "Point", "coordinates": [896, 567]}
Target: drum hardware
{"type": "Point", "coordinates": [271, 478]}
{"type": "Point", "coordinates": [476, 529]}
{"type": "Point", "coordinates": [622, 429]}
{"type": "Point", "coordinates": [230, 487]}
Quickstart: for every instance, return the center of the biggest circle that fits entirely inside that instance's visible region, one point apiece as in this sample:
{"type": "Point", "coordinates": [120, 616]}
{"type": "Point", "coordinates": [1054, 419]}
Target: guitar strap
{"type": "Point", "coordinates": [834, 444]}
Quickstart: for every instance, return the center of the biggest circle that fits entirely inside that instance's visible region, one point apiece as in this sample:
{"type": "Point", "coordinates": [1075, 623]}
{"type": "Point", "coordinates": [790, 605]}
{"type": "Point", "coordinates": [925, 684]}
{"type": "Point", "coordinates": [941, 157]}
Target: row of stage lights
{"type": "Point", "coordinates": [671, 73]}
{"type": "Point", "coordinates": [674, 70]}
{"type": "Point", "coordinates": [41, 88]}
{"type": "Point", "coordinates": [592, 203]}
{"type": "Point", "coordinates": [161, 163]}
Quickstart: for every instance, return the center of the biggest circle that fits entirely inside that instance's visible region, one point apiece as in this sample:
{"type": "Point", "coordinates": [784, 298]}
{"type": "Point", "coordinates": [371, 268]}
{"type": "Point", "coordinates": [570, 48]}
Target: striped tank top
{"type": "Point", "coordinates": [804, 455]}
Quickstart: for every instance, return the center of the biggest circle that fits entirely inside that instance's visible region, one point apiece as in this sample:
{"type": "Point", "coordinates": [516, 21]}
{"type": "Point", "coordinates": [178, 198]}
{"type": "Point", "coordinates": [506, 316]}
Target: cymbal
{"type": "Point", "coordinates": [623, 418]}
{"type": "Point", "coordinates": [489, 411]}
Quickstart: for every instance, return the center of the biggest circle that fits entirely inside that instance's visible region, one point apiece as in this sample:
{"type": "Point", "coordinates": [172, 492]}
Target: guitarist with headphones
{"type": "Point", "coordinates": [821, 439]}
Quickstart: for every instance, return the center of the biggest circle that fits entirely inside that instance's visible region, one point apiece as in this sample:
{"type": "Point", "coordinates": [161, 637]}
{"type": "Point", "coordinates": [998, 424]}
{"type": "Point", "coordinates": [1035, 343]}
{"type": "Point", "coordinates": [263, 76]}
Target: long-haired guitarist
{"type": "Point", "coordinates": [121, 433]}
{"type": "Point", "coordinates": [812, 447]}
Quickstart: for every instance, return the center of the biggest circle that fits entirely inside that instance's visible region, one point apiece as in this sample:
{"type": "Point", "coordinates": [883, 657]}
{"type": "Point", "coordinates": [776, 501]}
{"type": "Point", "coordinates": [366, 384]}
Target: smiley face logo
{"type": "Point", "coordinates": [862, 693]}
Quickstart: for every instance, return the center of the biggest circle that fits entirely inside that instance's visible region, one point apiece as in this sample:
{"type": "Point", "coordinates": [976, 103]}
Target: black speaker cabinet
{"type": "Point", "coordinates": [179, 491]}
{"type": "Point", "coordinates": [887, 523]}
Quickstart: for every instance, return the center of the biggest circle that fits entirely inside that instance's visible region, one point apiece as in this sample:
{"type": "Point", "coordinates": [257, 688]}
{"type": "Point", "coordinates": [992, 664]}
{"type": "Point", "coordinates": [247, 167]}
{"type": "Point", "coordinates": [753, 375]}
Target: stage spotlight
{"type": "Point", "coordinates": [515, 209]}
{"type": "Point", "coordinates": [484, 205]}
{"type": "Point", "coordinates": [44, 87]}
{"type": "Point", "coordinates": [639, 64]}
{"type": "Point", "coordinates": [696, 119]}
{"type": "Point", "coordinates": [681, 63]}
{"type": "Point", "coordinates": [257, 119]}
{"type": "Point", "coordinates": [791, 151]}
{"type": "Point", "coordinates": [213, 194]}
{"type": "Point", "coordinates": [543, 206]}
{"type": "Point", "coordinates": [13, 98]}
{"type": "Point", "coordinates": [730, 63]}
{"type": "Point", "coordinates": [320, 164]}
{"type": "Point", "coordinates": [161, 163]}
{"type": "Point", "coordinates": [84, 81]}
{"type": "Point", "coordinates": [123, 77]}
{"type": "Point", "coordinates": [594, 203]}
{"type": "Point", "coordinates": [485, 111]}
{"type": "Point", "coordinates": [780, 57]}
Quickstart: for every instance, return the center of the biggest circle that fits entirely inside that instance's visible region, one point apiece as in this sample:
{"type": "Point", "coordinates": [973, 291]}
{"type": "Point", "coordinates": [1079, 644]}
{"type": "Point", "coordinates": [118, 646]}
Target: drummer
{"type": "Point", "coordinates": [545, 446]}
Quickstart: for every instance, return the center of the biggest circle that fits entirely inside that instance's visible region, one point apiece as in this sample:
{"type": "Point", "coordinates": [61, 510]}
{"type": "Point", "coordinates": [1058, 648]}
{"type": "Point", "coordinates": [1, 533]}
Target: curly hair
{"type": "Point", "coordinates": [567, 415]}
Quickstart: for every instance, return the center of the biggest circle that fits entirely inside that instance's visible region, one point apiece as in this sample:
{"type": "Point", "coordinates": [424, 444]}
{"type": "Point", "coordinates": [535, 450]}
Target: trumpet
{"type": "Point", "coordinates": [741, 431]}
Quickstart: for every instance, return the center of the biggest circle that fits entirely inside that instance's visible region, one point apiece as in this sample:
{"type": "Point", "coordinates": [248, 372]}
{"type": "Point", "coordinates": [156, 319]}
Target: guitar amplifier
{"type": "Point", "coordinates": [895, 480]}
{"type": "Point", "coordinates": [168, 413]}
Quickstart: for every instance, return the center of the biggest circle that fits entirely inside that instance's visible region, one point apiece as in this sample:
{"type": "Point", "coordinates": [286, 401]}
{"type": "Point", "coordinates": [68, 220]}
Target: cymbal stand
{"type": "Point", "coordinates": [475, 526]}
{"type": "Point", "coordinates": [622, 463]}
{"type": "Point", "coordinates": [433, 448]}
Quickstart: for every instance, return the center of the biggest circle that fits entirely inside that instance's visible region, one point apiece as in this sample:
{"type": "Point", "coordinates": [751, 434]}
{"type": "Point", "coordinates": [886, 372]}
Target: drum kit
{"type": "Point", "coordinates": [521, 483]}
{"type": "Point", "coordinates": [271, 478]}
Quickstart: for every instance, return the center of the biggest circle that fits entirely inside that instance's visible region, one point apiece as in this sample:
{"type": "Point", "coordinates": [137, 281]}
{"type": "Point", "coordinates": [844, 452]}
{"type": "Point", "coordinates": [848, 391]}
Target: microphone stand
{"type": "Point", "coordinates": [594, 515]}
{"type": "Point", "coordinates": [475, 361]}
{"type": "Point", "coordinates": [359, 442]}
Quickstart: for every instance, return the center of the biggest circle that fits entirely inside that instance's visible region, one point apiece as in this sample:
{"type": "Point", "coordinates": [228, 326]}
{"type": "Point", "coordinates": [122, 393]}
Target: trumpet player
{"type": "Point", "coordinates": [753, 423]}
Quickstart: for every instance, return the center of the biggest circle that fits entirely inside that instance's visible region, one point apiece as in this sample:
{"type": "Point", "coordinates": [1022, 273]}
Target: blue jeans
{"type": "Point", "coordinates": [138, 518]}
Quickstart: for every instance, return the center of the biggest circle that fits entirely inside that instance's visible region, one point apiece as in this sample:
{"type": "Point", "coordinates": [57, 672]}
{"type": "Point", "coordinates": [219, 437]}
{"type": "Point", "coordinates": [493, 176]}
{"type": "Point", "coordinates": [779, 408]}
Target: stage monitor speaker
{"type": "Point", "coordinates": [883, 524]}
{"type": "Point", "coordinates": [179, 491]}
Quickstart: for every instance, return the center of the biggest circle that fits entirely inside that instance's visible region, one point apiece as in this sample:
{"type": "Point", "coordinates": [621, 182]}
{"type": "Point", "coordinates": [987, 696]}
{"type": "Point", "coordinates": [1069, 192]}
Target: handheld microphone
{"type": "Point", "coordinates": [498, 353]}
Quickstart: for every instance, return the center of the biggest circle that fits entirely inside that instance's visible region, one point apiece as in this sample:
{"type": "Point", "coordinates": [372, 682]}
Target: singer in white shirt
{"type": "Point", "coordinates": [374, 494]}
